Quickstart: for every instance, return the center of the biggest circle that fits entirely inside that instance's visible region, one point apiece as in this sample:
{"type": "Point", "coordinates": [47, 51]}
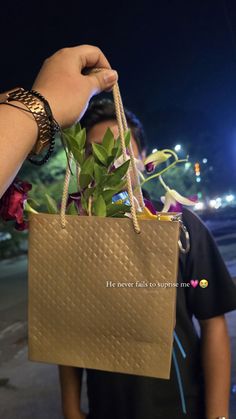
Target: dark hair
{"type": "Point", "coordinates": [104, 110]}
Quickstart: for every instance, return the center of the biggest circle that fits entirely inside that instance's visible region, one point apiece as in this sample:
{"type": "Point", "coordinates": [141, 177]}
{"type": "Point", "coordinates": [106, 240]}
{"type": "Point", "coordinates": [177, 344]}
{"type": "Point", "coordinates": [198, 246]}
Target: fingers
{"type": "Point", "coordinates": [102, 80]}
{"type": "Point", "coordinates": [92, 57]}
{"type": "Point", "coordinates": [72, 70]}
{"type": "Point", "coordinates": [81, 56]}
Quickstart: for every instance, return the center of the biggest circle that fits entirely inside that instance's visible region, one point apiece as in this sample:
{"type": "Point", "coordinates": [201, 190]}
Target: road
{"type": "Point", "coordinates": [30, 390]}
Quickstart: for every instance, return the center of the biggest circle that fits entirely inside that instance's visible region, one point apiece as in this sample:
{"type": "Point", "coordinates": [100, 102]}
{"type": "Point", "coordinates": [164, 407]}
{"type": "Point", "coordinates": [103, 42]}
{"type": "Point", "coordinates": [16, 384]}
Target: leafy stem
{"type": "Point", "coordinates": [155, 175]}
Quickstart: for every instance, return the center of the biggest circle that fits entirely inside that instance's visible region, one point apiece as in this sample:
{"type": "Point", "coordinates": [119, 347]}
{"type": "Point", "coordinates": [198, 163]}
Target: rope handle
{"type": "Point", "coordinates": [123, 127]}
{"type": "Point", "coordinates": [130, 148]}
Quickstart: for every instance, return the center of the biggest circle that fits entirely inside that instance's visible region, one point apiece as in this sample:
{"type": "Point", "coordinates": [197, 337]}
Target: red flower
{"type": "Point", "coordinates": [12, 203]}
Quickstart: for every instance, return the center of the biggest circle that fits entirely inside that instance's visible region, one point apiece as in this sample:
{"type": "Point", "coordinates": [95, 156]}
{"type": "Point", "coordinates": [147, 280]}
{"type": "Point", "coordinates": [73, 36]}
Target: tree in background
{"type": "Point", "coordinates": [44, 179]}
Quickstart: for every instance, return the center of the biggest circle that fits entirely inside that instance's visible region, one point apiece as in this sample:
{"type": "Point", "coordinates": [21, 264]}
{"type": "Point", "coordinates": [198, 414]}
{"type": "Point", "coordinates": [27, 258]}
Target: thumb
{"type": "Point", "coordinates": [103, 79]}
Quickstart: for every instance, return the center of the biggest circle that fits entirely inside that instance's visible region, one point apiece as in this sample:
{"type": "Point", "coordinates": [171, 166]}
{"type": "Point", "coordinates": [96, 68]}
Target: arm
{"type": "Point", "coordinates": [216, 366]}
{"type": "Point", "coordinates": [67, 90]}
{"type": "Point", "coordinates": [18, 133]}
{"type": "Point", "coordinates": [70, 382]}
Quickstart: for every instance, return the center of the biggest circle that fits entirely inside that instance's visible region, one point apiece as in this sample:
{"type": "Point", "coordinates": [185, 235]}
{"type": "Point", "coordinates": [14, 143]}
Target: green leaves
{"type": "Point", "coordinates": [99, 172]}
{"type": "Point", "coordinates": [28, 208]}
{"type": "Point", "coordinates": [122, 169]}
{"type": "Point", "coordinates": [79, 155]}
{"type": "Point", "coordinates": [110, 149]}
{"type": "Point", "coordinates": [99, 207]}
{"type": "Point", "coordinates": [109, 192]}
{"type": "Point", "coordinates": [71, 209]}
{"type": "Point", "coordinates": [116, 209]}
{"type": "Point", "coordinates": [86, 173]}
{"type": "Point", "coordinates": [108, 141]}
{"type": "Point", "coordinates": [88, 166]}
{"type": "Point", "coordinates": [100, 152]}
{"type": "Point", "coordinates": [51, 204]}
{"type": "Point", "coordinates": [84, 180]}
{"type": "Point", "coordinates": [75, 138]}
{"type": "Point", "coordinates": [127, 138]}
{"type": "Point", "coordinates": [116, 177]}
{"type": "Point", "coordinates": [98, 182]}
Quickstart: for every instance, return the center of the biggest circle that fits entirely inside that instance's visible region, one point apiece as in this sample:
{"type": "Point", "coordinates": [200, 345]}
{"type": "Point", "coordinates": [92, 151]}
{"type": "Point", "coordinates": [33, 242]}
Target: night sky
{"type": "Point", "coordinates": [176, 62]}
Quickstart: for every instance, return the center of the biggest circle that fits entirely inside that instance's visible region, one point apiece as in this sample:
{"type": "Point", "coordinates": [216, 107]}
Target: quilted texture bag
{"type": "Point", "coordinates": [97, 288]}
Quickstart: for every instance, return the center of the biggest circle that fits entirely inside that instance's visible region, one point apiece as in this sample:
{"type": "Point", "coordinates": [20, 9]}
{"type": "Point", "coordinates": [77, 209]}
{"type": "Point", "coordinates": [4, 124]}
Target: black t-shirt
{"type": "Point", "coordinates": [125, 396]}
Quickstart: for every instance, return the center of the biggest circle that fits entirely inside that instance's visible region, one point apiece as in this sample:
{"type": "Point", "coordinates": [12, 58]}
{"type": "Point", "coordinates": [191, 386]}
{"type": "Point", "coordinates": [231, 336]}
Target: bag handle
{"type": "Point", "coordinates": [122, 126]}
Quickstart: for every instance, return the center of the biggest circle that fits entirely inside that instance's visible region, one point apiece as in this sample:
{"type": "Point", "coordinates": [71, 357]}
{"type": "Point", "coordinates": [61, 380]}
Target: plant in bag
{"type": "Point", "coordinates": [101, 173]}
{"type": "Point", "coordinates": [98, 176]}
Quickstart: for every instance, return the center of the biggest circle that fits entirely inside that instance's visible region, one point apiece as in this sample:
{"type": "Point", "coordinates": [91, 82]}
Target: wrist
{"type": "Point", "coordinates": [53, 102]}
{"type": "Point", "coordinates": [15, 118]}
{"type": "Point", "coordinates": [20, 111]}
{"type": "Point", "coordinates": [35, 105]}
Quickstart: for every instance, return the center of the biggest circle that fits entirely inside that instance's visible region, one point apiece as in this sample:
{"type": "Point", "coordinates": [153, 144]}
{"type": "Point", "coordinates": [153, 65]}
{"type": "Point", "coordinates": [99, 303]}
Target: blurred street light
{"type": "Point", "coordinates": [215, 203]}
{"type": "Point", "coordinates": [199, 206]}
{"type": "Point", "coordinates": [187, 165]}
{"type": "Point", "coordinates": [229, 198]}
{"type": "Point", "coordinates": [178, 147]}
{"type": "Point", "coordinates": [197, 170]}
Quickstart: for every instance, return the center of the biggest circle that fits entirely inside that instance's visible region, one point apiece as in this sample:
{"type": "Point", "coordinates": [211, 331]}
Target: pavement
{"type": "Point", "coordinates": [27, 389]}
{"type": "Point", "coordinates": [31, 390]}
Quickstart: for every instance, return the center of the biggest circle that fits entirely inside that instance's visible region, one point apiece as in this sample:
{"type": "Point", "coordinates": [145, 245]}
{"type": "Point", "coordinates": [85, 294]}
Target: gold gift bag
{"type": "Point", "coordinates": [97, 289]}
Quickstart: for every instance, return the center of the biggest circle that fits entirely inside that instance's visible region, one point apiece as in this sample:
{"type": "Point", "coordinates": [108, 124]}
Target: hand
{"type": "Point", "coordinates": [77, 415]}
{"type": "Point", "coordinates": [67, 90]}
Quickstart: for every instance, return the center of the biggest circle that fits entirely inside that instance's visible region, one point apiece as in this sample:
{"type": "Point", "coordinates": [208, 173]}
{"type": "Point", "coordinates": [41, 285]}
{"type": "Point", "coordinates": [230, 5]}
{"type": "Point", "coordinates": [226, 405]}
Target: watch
{"type": "Point", "coordinates": [37, 108]}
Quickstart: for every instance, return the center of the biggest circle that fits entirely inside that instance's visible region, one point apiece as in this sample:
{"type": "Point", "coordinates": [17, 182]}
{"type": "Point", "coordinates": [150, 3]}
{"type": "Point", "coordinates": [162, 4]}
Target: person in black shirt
{"type": "Point", "coordinates": [206, 369]}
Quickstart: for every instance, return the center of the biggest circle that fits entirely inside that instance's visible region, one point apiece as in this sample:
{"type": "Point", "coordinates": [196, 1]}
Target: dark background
{"type": "Point", "coordinates": [176, 61]}
{"type": "Point", "coordinates": [177, 66]}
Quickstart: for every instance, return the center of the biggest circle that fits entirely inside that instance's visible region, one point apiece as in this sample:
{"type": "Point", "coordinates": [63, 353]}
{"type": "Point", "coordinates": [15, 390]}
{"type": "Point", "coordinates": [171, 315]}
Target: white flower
{"type": "Point", "coordinates": [172, 197]}
{"type": "Point", "coordinates": [155, 159]}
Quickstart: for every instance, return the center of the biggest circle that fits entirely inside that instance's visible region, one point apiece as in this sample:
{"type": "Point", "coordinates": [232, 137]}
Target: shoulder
{"type": "Point", "coordinates": [194, 224]}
